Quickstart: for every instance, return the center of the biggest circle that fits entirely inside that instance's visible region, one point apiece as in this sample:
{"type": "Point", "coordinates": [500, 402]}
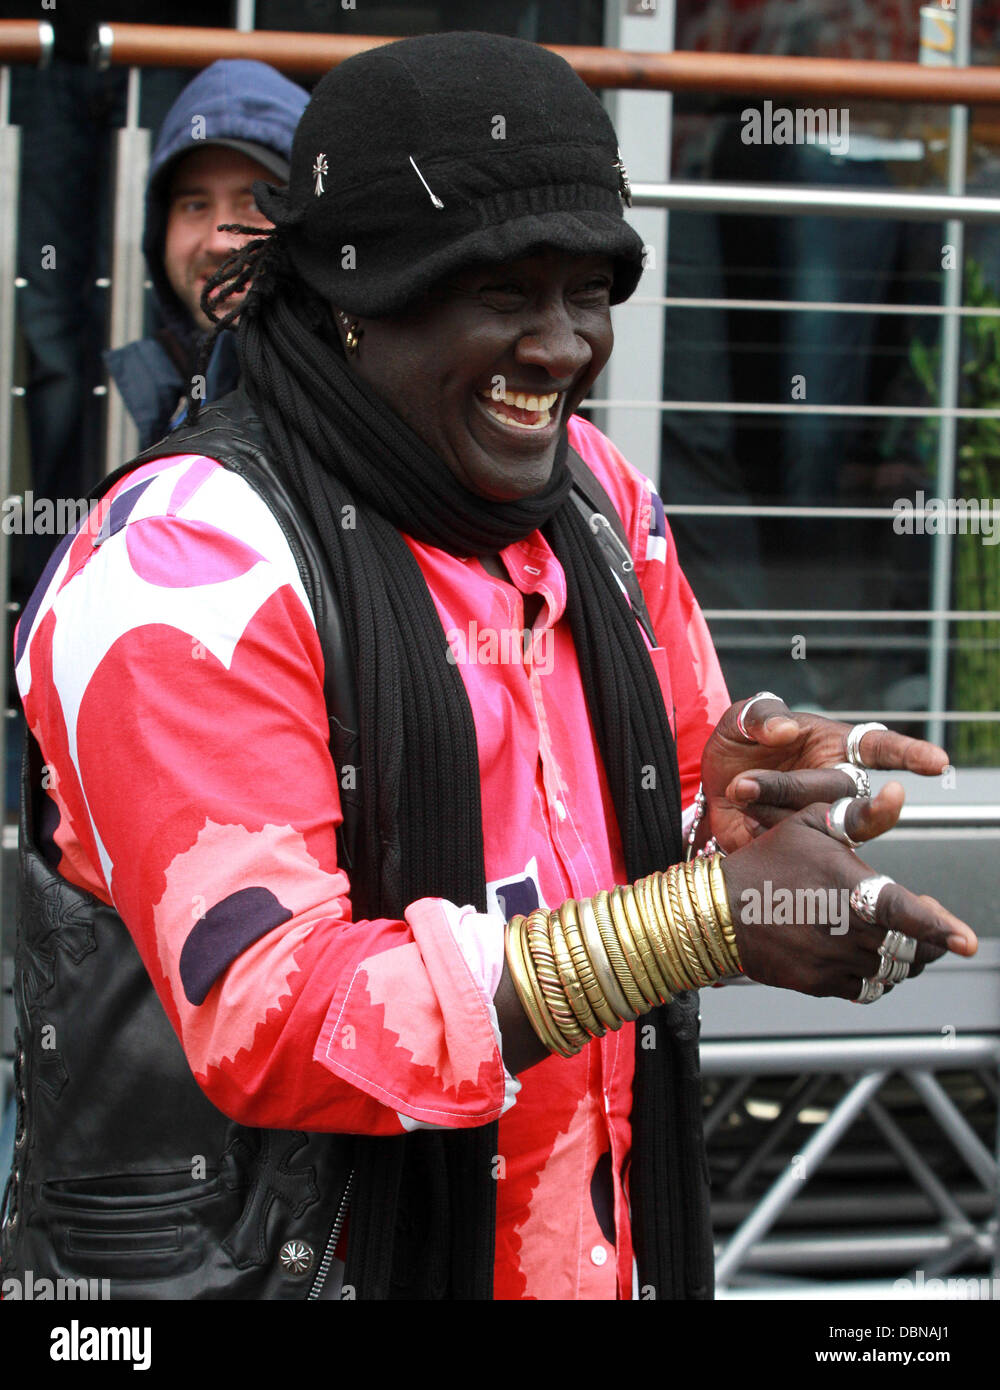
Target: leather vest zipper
{"type": "Point", "coordinates": [331, 1244]}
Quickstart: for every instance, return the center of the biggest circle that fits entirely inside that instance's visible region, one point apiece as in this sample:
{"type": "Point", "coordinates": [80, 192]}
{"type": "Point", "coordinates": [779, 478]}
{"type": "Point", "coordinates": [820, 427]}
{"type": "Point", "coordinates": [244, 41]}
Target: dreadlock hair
{"type": "Point", "coordinates": [258, 267]}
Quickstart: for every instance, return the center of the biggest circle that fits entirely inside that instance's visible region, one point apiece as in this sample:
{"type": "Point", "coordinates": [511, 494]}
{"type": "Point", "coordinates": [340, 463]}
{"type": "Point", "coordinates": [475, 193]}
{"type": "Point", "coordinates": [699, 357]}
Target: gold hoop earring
{"type": "Point", "coordinates": [352, 333]}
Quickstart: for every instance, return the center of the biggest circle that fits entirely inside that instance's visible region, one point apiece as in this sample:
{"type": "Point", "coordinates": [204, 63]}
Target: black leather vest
{"type": "Point", "coordinates": [124, 1170]}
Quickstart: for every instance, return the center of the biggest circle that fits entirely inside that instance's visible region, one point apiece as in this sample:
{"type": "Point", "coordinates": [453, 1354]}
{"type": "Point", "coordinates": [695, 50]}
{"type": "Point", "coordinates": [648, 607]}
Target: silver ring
{"type": "Point", "coordinates": [870, 991]}
{"type": "Point", "coordinates": [865, 895]}
{"type": "Point", "coordinates": [854, 742]}
{"type": "Point", "coordinates": [899, 947]}
{"type": "Point", "coordinates": [761, 695]}
{"type": "Point", "coordinates": [835, 822]}
{"type": "Point", "coordinates": [892, 972]}
{"type": "Point", "coordinates": [859, 776]}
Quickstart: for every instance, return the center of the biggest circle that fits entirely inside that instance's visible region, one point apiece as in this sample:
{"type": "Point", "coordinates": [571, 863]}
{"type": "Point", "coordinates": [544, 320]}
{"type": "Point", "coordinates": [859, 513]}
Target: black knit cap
{"type": "Point", "coordinates": [501, 133]}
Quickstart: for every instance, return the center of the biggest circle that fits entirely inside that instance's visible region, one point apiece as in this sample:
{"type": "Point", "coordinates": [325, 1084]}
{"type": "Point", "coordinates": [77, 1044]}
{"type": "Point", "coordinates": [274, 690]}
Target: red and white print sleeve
{"type": "Point", "coordinates": [172, 674]}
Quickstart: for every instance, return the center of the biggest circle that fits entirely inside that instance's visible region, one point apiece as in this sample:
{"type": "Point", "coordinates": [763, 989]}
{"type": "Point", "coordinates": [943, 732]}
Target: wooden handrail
{"type": "Point", "coordinates": [21, 41]}
{"type": "Point", "coordinates": [826, 79]}
{"type": "Point", "coordinates": [163, 46]}
{"type": "Point", "coordinates": [817, 79]}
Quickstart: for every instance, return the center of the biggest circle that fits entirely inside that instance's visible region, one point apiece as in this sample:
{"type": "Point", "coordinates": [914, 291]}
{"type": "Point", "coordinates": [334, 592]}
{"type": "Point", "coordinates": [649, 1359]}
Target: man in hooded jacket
{"type": "Point", "coordinates": [231, 125]}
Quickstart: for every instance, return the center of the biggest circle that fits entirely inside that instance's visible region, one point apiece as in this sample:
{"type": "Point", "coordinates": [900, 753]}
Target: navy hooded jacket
{"type": "Point", "coordinates": [231, 100]}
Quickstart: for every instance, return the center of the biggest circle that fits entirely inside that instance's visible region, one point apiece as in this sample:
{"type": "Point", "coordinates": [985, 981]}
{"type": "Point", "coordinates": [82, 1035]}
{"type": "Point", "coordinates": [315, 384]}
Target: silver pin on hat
{"type": "Point", "coordinates": [624, 187]}
{"type": "Point", "coordinates": [433, 196]}
{"type": "Point", "coordinates": [319, 169]}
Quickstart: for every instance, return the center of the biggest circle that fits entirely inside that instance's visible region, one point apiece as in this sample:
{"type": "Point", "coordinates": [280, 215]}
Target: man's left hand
{"type": "Point", "coordinates": [787, 762]}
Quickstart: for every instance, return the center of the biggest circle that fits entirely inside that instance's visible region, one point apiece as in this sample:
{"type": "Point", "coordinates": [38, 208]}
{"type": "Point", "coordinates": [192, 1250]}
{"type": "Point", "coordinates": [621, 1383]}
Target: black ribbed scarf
{"type": "Point", "coordinates": [427, 1202]}
{"type": "Point", "coordinates": [366, 477]}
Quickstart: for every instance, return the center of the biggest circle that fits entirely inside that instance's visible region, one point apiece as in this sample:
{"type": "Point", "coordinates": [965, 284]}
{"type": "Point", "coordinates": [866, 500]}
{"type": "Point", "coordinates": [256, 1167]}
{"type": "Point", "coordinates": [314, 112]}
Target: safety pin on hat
{"type": "Point", "coordinates": [433, 196]}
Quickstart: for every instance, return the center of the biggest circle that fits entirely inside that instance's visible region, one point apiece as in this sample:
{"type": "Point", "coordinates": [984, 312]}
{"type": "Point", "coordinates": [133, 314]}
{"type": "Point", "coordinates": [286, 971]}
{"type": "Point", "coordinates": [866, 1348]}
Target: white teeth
{"type": "Point", "coordinates": [539, 424]}
{"type": "Point", "coordinates": [522, 402]}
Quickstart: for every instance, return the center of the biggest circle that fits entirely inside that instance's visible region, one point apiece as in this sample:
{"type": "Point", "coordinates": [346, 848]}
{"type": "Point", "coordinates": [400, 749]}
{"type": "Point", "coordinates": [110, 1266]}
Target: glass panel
{"type": "Point", "coordinates": [843, 403]}
{"type": "Point", "coordinates": [571, 21]}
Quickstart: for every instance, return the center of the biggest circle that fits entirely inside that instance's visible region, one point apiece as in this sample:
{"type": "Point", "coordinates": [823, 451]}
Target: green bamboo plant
{"type": "Point", "coordinates": [975, 655]}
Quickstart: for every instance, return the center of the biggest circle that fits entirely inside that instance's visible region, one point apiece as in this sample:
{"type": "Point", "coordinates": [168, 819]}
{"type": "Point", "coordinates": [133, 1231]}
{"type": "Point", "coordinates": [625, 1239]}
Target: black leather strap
{"type": "Point", "coordinates": [602, 517]}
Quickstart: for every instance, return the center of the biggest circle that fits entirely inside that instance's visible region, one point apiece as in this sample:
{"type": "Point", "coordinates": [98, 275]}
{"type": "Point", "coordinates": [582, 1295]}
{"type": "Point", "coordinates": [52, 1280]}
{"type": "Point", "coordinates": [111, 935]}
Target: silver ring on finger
{"type": "Point", "coordinates": [835, 822]}
{"type": "Point", "coordinates": [892, 972]}
{"type": "Point", "coordinates": [854, 742]}
{"type": "Point", "coordinates": [899, 947]}
{"type": "Point", "coordinates": [870, 991]}
{"type": "Point", "coordinates": [741, 717]}
{"type": "Point", "coordinates": [865, 895]}
{"type": "Point", "coordinates": [859, 776]}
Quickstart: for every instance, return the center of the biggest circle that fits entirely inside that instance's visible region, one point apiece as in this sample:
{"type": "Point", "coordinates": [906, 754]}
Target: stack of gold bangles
{"type": "Point", "coordinates": [599, 962]}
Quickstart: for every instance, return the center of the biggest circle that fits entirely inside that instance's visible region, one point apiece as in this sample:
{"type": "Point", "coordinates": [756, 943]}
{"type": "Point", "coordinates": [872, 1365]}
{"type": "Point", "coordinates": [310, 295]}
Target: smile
{"type": "Point", "coordinates": [519, 410]}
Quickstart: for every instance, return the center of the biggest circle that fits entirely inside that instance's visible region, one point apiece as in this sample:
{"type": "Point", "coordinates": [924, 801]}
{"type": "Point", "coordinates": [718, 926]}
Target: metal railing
{"type": "Point", "coordinates": [795, 201]}
{"type": "Point", "coordinates": [956, 208]}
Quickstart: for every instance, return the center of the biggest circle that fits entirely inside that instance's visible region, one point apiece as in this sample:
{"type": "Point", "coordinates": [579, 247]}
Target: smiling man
{"type": "Point", "coordinates": [367, 780]}
{"type": "Point", "coordinates": [209, 188]}
{"type": "Point", "coordinates": [231, 125]}
{"type": "Point", "coordinates": [516, 348]}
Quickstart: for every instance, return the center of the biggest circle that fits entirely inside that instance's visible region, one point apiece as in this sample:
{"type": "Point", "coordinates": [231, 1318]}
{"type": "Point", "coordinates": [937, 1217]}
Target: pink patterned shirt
{"type": "Point", "coordinates": [172, 674]}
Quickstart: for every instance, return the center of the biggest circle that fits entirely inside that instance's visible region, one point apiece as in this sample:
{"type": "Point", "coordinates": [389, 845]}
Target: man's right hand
{"type": "Point", "coordinates": [831, 956]}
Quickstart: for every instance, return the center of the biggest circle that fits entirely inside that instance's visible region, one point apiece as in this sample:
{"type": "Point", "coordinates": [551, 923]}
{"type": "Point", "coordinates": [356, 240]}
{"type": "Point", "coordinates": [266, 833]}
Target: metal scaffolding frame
{"type": "Point", "coordinates": [962, 1229]}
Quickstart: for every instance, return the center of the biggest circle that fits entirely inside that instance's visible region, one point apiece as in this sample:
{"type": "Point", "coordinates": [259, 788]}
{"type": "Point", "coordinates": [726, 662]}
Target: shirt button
{"type": "Point", "coordinates": [599, 1255]}
{"type": "Point", "coordinates": [560, 809]}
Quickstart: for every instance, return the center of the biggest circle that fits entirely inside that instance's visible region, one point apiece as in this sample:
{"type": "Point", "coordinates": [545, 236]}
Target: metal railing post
{"type": "Point", "coordinates": [643, 122]}
{"type": "Point", "coordinates": [10, 175]}
{"type": "Point", "coordinates": [128, 270]}
{"type": "Point", "coordinates": [950, 376]}
{"type": "Point", "coordinates": [10, 161]}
